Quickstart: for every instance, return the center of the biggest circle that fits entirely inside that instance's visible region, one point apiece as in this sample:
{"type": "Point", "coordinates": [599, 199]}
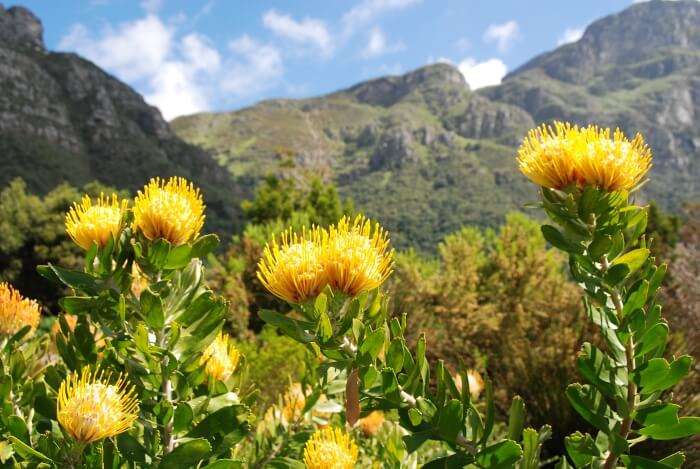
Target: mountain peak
{"type": "Point", "coordinates": [388, 90]}
{"type": "Point", "coordinates": [636, 34]}
{"type": "Point", "coordinates": [21, 28]}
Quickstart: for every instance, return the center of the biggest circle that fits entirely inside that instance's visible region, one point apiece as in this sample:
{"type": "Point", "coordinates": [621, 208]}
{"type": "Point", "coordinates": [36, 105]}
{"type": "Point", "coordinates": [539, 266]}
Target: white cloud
{"type": "Point", "coordinates": [257, 67]}
{"type": "Point", "coordinates": [133, 50]}
{"type": "Point", "coordinates": [502, 34]}
{"type": "Point", "coordinates": [179, 75]}
{"type": "Point", "coordinates": [309, 31]}
{"type": "Point", "coordinates": [377, 44]}
{"type": "Point", "coordinates": [480, 74]}
{"type": "Point", "coordinates": [570, 35]}
{"type": "Point", "coordinates": [368, 10]}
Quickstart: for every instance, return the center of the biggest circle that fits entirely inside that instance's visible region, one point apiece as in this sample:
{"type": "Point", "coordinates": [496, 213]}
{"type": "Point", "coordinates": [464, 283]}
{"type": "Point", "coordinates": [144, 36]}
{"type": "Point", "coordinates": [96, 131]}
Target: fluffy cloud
{"type": "Point", "coordinates": [570, 35]}
{"type": "Point", "coordinates": [256, 67]}
{"type": "Point", "coordinates": [179, 75]}
{"type": "Point", "coordinates": [503, 34]}
{"type": "Point", "coordinates": [480, 74]}
{"type": "Point", "coordinates": [309, 31]}
{"type": "Point", "coordinates": [368, 10]}
{"type": "Point", "coordinates": [377, 44]}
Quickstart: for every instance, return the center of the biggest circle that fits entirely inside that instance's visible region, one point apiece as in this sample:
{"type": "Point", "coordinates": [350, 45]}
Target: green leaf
{"type": "Point", "coordinates": [599, 246]}
{"type": "Point", "coordinates": [18, 428]}
{"type": "Point", "coordinates": [182, 418]}
{"type": "Point", "coordinates": [450, 420]}
{"type": "Point", "coordinates": [516, 419]}
{"type": "Point", "coordinates": [638, 462]}
{"type": "Point", "coordinates": [654, 338]}
{"type": "Point", "coordinates": [227, 464]}
{"type": "Point", "coordinates": [178, 257]}
{"type": "Point", "coordinates": [556, 239]}
{"type": "Point", "coordinates": [637, 299]}
{"type": "Point", "coordinates": [204, 245]}
{"type": "Point", "coordinates": [416, 440]}
{"type": "Point", "coordinates": [674, 460]}
{"type": "Point", "coordinates": [599, 369]}
{"type": "Point", "coordinates": [657, 375]}
{"type": "Point", "coordinates": [187, 455]}
{"type": "Point", "coordinates": [453, 461]}
{"type": "Point", "coordinates": [581, 448]}
{"type": "Point", "coordinates": [74, 279]}
{"type": "Point", "coordinates": [27, 452]}
{"type": "Point", "coordinates": [152, 309]}
{"type": "Point", "coordinates": [501, 455]}
{"type": "Point", "coordinates": [633, 259]}
{"type": "Point", "coordinates": [616, 274]}
{"type": "Point", "coordinates": [228, 421]}
{"type": "Point", "coordinates": [291, 327]}
{"type": "Point", "coordinates": [285, 463]}
{"type": "Point", "coordinates": [658, 414]}
{"type": "Point", "coordinates": [686, 426]}
{"type": "Point", "coordinates": [373, 344]}
{"type": "Point", "coordinates": [590, 405]}
{"type": "Point", "coordinates": [130, 448]}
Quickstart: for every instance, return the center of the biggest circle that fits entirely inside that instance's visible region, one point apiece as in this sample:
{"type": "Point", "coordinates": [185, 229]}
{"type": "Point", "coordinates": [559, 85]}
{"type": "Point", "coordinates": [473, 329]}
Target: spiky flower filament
{"type": "Point", "coordinates": [356, 256]}
{"type": "Point", "coordinates": [220, 358]}
{"type": "Point", "coordinates": [88, 223]}
{"type": "Point", "coordinates": [564, 154]}
{"type": "Point", "coordinates": [16, 312]}
{"type": "Point", "coordinates": [293, 269]}
{"type": "Point", "coordinates": [330, 448]}
{"type": "Point", "coordinates": [89, 408]}
{"type": "Point", "coordinates": [172, 210]}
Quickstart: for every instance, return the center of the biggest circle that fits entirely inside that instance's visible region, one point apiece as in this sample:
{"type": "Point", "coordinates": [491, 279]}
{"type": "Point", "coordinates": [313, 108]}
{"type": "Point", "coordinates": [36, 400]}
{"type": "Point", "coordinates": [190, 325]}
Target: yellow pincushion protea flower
{"type": "Point", "coordinates": [372, 423]}
{"type": "Point", "coordinates": [292, 269]}
{"type": "Point", "coordinates": [87, 223]}
{"type": "Point", "coordinates": [556, 157]}
{"type": "Point", "coordinates": [356, 256]}
{"type": "Point", "coordinates": [172, 210]}
{"type": "Point", "coordinates": [90, 409]}
{"type": "Point", "coordinates": [330, 448]}
{"type": "Point", "coordinates": [16, 311]}
{"type": "Point", "coordinates": [220, 358]}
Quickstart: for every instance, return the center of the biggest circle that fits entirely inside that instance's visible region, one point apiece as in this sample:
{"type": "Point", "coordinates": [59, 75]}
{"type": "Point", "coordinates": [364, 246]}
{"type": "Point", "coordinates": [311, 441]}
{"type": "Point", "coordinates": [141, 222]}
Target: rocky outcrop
{"type": "Point", "coordinates": [20, 28]}
{"type": "Point", "coordinates": [64, 119]}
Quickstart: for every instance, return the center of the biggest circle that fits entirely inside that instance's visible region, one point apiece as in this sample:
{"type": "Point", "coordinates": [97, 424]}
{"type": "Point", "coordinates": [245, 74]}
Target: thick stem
{"type": "Point", "coordinates": [352, 397]}
{"type": "Point", "coordinates": [626, 426]}
{"type": "Point", "coordinates": [168, 441]}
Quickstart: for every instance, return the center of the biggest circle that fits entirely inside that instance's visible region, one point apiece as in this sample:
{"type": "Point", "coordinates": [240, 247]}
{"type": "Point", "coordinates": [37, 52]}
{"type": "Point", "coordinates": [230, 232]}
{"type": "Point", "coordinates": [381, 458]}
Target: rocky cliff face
{"type": "Point", "coordinates": [64, 119]}
{"type": "Point", "coordinates": [426, 155]}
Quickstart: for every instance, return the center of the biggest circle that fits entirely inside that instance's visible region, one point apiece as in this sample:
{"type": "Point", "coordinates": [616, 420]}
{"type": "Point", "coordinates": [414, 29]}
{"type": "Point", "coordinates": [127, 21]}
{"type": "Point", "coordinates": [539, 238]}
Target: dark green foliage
{"type": "Point", "coordinates": [32, 232]}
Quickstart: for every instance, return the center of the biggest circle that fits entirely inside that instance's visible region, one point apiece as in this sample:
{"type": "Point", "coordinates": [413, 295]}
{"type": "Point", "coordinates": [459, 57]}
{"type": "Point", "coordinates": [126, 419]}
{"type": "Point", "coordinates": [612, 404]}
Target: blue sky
{"type": "Point", "coordinates": [210, 55]}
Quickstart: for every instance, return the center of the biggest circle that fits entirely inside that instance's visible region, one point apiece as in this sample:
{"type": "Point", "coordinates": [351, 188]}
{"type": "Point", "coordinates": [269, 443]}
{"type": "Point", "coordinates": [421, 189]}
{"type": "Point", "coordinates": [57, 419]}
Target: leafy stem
{"type": "Point", "coordinates": [626, 424]}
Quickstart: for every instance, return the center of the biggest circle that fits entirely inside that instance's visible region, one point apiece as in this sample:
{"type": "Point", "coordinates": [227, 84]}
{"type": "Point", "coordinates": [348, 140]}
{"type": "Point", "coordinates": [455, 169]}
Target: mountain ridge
{"type": "Point", "coordinates": [63, 119]}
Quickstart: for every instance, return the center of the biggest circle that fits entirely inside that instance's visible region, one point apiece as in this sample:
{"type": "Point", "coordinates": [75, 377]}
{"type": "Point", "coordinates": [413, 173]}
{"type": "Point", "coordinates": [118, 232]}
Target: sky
{"type": "Point", "coordinates": [188, 56]}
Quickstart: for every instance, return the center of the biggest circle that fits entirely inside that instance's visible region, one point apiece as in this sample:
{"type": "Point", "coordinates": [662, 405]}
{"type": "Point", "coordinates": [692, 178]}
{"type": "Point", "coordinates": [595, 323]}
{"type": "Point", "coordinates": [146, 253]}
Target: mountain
{"type": "Point", "coordinates": [425, 155]}
{"type": "Point", "coordinates": [63, 119]}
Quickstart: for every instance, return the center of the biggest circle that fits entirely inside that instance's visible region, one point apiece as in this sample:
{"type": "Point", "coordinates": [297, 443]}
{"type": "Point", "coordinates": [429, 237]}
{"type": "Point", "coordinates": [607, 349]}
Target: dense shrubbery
{"type": "Point", "coordinates": [138, 371]}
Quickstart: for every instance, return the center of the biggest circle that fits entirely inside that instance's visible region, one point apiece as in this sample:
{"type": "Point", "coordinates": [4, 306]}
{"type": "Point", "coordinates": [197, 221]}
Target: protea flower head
{"type": "Point", "coordinates": [172, 210]}
{"type": "Point", "coordinates": [88, 223]}
{"type": "Point", "coordinates": [356, 256]}
{"type": "Point", "coordinates": [292, 269]}
{"type": "Point", "coordinates": [562, 155]}
{"type": "Point", "coordinates": [90, 408]}
{"type": "Point", "coordinates": [16, 311]}
{"type": "Point", "coordinates": [220, 358]}
{"type": "Point", "coordinates": [330, 448]}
